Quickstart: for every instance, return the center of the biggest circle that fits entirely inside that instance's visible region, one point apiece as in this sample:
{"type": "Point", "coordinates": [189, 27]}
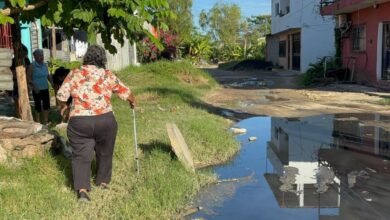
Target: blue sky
{"type": "Point", "coordinates": [248, 7]}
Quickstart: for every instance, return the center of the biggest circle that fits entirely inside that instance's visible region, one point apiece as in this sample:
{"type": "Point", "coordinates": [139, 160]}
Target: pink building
{"type": "Point", "coordinates": [365, 37]}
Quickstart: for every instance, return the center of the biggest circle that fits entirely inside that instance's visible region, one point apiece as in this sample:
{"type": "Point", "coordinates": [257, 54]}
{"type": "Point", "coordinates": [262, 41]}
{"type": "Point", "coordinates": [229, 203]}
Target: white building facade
{"type": "Point", "coordinates": [299, 34]}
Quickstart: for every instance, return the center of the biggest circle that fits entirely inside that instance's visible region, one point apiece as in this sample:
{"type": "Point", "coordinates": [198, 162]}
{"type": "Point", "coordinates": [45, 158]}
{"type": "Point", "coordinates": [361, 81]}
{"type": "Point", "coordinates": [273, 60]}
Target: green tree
{"type": "Point", "coordinates": [119, 19]}
{"type": "Point", "coordinates": [181, 24]}
{"type": "Point", "coordinates": [222, 22]}
{"type": "Point", "coordinates": [199, 47]}
{"type": "Point", "coordinates": [262, 23]}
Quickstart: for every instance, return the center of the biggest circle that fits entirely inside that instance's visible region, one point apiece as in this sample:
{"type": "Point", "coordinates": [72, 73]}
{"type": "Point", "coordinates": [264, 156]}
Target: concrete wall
{"type": "Point", "coordinates": [272, 53]}
{"type": "Point", "coordinates": [288, 21]}
{"type": "Point", "coordinates": [317, 40]}
{"type": "Point", "coordinates": [368, 66]}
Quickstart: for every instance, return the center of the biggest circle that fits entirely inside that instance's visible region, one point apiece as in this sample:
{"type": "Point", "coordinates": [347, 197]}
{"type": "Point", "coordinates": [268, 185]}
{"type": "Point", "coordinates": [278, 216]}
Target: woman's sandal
{"type": "Point", "coordinates": [83, 196]}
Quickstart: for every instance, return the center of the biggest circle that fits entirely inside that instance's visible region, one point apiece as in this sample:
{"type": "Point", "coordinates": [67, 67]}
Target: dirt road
{"type": "Point", "coordinates": [277, 94]}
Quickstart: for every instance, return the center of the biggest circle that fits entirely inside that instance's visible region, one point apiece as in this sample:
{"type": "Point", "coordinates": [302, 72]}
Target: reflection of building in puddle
{"type": "Point", "coordinates": [368, 133]}
{"type": "Point", "coordinates": [331, 163]}
{"type": "Point", "coordinates": [365, 189]}
{"type": "Point", "coordinates": [296, 178]}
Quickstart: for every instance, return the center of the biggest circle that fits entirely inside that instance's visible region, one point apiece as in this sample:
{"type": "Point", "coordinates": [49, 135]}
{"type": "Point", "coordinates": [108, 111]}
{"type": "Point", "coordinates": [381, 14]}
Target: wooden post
{"type": "Point", "coordinates": [23, 101]}
{"type": "Point", "coordinates": [53, 42]}
{"type": "Point", "coordinates": [179, 146]}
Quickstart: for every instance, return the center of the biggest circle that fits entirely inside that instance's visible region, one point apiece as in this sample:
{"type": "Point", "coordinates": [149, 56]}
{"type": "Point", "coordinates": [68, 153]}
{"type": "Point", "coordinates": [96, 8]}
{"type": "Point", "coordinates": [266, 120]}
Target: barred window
{"type": "Point", "coordinates": [359, 38]}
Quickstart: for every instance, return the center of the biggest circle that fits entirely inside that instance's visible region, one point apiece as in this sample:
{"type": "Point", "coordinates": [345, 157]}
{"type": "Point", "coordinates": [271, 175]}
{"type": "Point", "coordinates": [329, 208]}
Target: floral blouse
{"type": "Point", "coordinates": [91, 89]}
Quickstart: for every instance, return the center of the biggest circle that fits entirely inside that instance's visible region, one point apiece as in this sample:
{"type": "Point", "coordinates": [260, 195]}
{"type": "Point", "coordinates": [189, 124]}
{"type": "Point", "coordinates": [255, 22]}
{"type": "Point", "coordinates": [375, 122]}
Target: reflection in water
{"type": "Point", "coordinates": [325, 167]}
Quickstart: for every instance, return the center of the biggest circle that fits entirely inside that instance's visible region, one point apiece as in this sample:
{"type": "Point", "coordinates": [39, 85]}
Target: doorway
{"type": "Point", "coordinates": [296, 51]}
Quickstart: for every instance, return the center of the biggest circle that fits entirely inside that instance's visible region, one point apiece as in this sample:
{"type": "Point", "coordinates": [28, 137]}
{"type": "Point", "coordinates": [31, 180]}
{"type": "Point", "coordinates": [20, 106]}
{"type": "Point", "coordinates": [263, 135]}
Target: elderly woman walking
{"type": "Point", "coordinates": [92, 125]}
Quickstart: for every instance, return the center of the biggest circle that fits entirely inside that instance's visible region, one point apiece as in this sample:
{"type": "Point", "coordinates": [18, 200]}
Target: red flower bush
{"type": "Point", "coordinates": [149, 52]}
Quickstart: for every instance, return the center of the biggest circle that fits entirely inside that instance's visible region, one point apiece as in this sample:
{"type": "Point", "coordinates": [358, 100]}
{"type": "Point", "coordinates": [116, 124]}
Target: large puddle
{"type": "Point", "coordinates": [323, 167]}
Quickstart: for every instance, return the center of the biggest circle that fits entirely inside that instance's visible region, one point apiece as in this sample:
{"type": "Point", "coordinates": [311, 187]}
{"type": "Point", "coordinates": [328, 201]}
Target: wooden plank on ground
{"type": "Point", "coordinates": [179, 146]}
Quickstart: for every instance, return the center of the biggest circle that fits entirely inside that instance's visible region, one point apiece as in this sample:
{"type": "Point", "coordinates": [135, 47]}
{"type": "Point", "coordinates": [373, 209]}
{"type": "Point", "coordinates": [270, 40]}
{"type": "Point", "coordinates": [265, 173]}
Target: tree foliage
{"type": "Point", "coordinates": [181, 24]}
{"type": "Point", "coordinates": [222, 22]}
{"type": "Point", "coordinates": [262, 23]}
{"type": "Point", "coordinates": [118, 18]}
{"type": "Point", "coordinates": [199, 47]}
{"type": "Point", "coordinates": [253, 32]}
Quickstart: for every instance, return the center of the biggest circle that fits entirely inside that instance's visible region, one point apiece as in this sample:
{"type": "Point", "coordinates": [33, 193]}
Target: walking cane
{"type": "Point", "coordinates": [135, 142]}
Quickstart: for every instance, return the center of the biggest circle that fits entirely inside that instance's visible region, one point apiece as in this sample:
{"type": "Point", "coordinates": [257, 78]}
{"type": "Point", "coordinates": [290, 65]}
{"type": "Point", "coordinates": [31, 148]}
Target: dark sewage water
{"type": "Point", "coordinates": [325, 167]}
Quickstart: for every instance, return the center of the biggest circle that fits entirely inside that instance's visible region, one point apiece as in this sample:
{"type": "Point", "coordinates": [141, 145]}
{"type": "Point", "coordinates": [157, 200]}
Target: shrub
{"type": "Point", "coordinates": [54, 64]}
{"type": "Point", "coordinates": [149, 52]}
{"type": "Point", "coordinates": [316, 70]}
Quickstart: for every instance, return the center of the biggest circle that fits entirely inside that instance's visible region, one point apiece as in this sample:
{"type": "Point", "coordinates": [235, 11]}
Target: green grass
{"type": "Point", "coordinates": [40, 188]}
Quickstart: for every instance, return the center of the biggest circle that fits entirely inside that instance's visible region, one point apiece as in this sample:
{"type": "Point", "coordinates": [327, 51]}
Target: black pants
{"type": "Point", "coordinates": [88, 134]}
{"type": "Point", "coordinates": [41, 98]}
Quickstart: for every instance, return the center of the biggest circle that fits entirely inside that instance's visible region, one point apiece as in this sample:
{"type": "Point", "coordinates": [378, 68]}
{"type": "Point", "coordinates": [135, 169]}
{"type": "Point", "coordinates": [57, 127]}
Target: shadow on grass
{"type": "Point", "coordinates": [190, 99]}
{"type": "Point", "coordinates": [157, 145]}
{"type": "Point", "coordinates": [64, 165]}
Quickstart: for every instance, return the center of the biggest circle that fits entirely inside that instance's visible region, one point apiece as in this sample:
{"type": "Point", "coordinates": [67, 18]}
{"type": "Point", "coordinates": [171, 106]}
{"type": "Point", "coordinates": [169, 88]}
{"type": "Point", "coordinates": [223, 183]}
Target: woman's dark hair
{"type": "Point", "coordinates": [95, 55]}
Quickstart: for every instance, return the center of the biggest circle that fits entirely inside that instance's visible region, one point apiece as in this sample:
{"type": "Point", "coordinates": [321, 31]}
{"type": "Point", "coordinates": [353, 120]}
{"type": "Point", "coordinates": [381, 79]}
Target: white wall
{"type": "Point", "coordinates": [272, 53]}
{"type": "Point", "coordinates": [317, 32]}
{"type": "Point", "coordinates": [317, 39]}
{"type": "Point", "coordinates": [290, 20]}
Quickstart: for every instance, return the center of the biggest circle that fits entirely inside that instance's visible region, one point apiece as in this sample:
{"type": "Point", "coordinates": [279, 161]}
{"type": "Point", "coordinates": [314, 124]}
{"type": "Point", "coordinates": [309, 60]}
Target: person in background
{"type": "Point", "coordinates": [92, 125]}
{"type": "Point", "coordinates": [58, 78]}
{"type": "Point", "coordinates": [38, 77]}
{"type": "Point", "coordinates": [15, 92]}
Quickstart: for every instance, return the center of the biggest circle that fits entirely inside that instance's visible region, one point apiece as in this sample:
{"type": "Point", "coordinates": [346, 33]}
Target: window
{"type": "Point", "coordinates": [359, 38]}
{"type": "Point", "coordinates": [282, 48]}
{"type": "Point", "coordinates": [277, 9]}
